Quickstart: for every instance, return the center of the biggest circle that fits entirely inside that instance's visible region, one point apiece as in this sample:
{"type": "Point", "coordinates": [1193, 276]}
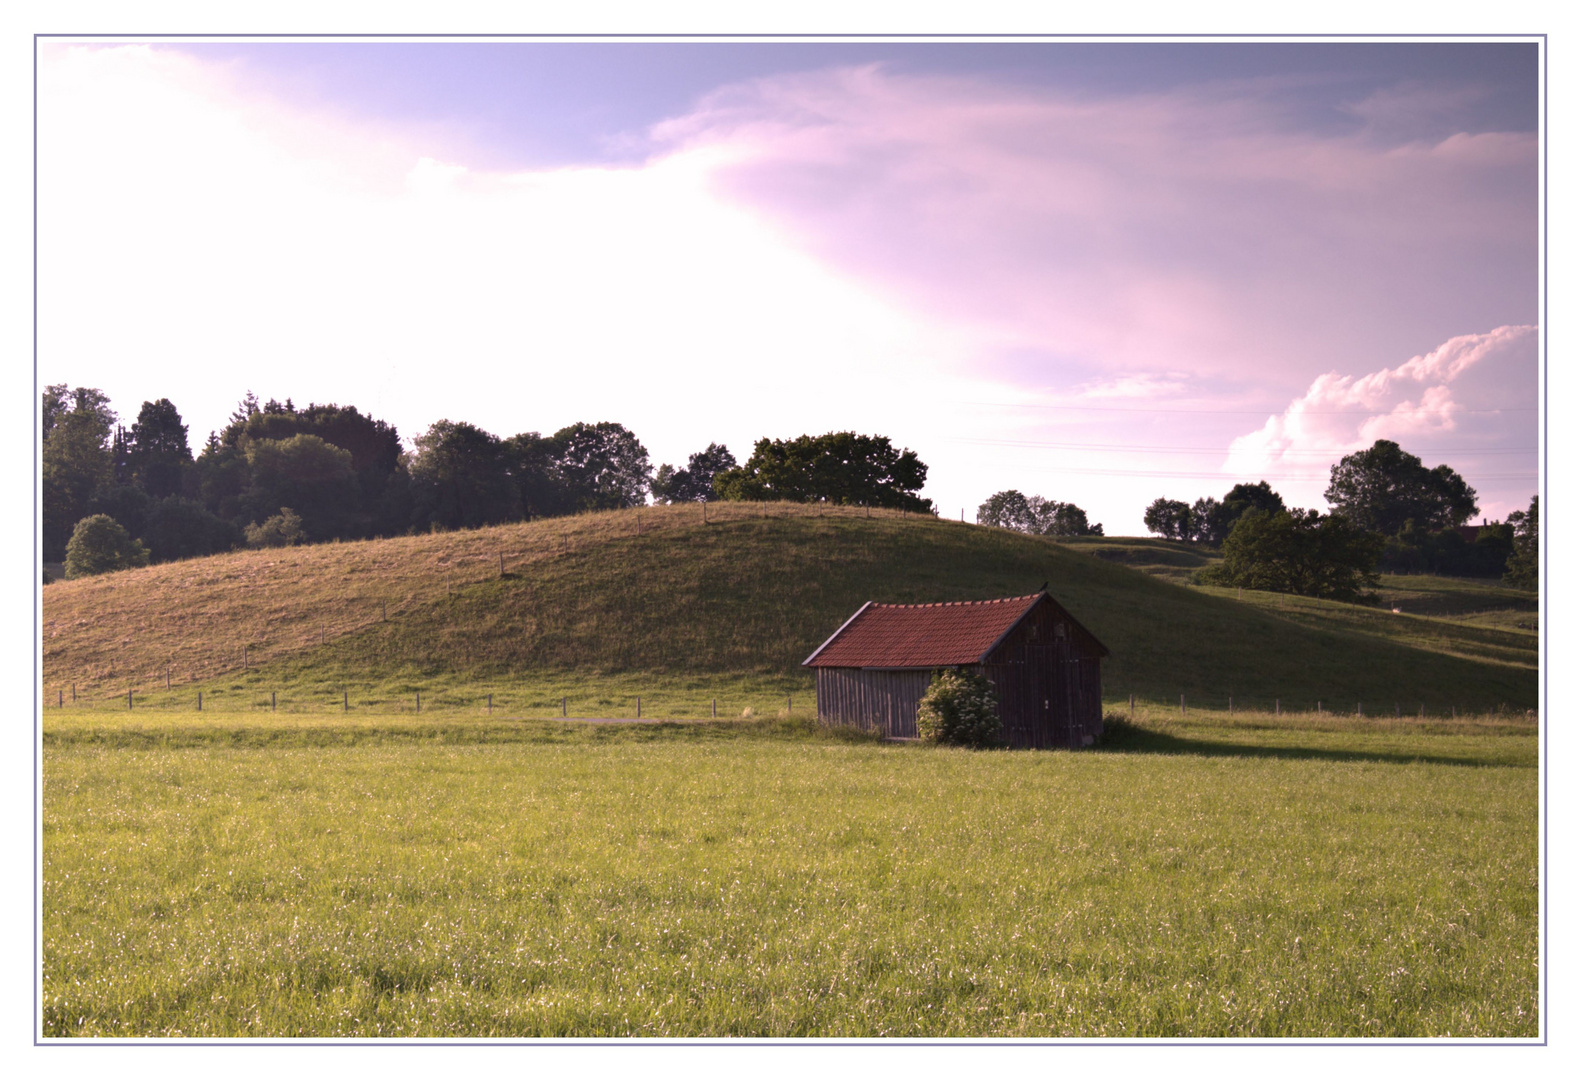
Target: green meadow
{"type": "Point", "coordinates": [378, 826]}
{"type": "Point", "coordinates": [1298, 876]}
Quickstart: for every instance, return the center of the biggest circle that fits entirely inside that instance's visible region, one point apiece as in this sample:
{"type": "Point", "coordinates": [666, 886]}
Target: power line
{"type": "Point", "coordinates": [1268, 474]}
{"type": "Point", "coordinates": [1222, 450]}
{"type": "Point", "coordinates": [1225, 412]}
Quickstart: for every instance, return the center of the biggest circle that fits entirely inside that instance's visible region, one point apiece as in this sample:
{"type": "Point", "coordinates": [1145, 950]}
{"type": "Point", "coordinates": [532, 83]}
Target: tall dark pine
{"type": "Point", "coordinates": [157, 454]}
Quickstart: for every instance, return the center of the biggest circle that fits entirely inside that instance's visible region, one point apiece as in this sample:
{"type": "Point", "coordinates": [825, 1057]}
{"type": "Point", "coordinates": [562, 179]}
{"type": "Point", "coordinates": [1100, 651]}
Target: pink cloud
{"type": "Point", "coordinates": [1164, 231]}
{"type": "Point", "coordinates": [1471, 400]}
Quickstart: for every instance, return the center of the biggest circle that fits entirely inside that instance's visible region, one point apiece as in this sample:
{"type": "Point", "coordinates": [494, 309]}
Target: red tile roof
{"type": "Point", "coordinates": [921, 635]}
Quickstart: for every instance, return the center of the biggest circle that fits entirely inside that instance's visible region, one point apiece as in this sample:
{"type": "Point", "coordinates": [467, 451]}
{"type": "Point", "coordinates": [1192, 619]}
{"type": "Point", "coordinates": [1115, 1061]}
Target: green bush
{"type": "Point", "coordinates": [282, 530]}
{"type": "Point", "coordinates": [98, 545]}
{"type": "Point", "coordinates": [960, 709]}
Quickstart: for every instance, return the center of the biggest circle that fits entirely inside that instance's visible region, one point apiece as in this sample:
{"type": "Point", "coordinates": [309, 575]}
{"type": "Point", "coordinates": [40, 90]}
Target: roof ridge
{"type": "Point", "coordinates": [959, 603]}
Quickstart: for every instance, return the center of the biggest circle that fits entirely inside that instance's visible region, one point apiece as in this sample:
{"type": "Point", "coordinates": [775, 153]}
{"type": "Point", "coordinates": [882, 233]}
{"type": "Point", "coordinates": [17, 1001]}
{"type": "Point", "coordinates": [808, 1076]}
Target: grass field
{"type": "Point", "coordinates": [312, 854]}
{"type": "Point", "coordinates": [235, 874]}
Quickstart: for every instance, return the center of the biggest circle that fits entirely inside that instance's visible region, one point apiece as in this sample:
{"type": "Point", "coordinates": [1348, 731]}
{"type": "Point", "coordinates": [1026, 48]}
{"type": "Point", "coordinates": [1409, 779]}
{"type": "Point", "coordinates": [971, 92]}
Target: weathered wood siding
{"type": "Point", "coordinates": [872, 700]}
{"type": "Point", "coordinates": [1047, 679]}
{"type": "Point", "coordinates": [1045, 673]}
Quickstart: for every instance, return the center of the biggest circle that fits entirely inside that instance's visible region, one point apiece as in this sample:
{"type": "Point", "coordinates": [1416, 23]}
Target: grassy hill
{"type": "Point", "coordinates": [615, 602]}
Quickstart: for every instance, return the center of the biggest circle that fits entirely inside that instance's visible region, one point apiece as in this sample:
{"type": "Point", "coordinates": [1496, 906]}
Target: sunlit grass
{"type": "Point", "coordinates": [1197, 876]}
{"type": "Point", "coordinates": [684, 612]}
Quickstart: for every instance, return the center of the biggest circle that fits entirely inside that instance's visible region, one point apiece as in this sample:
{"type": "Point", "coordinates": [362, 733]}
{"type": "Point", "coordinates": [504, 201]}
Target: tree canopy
{"type": "Point", "coordinates": [1299, 552]}
{"type": "Point", "coordinates": [602, 466]}
{"type": "Point", "coordinates": [1381, 488]}
{"type": "Point", "coordinates": [157, 452]}
{"type": "Point", "coordinates": [76, 460]}
{"type": "Point", "coordinates": [838, 467]}
{"type": "Point", "coordinates": [1168, 518]}
{"type": "Point", "coordinates": [1521, 570]}
{"type": "Point", "coordinates": [1034, 514]}
{"type": "Point", "coordinates": [1212, 519]}
{"type": "Point", "coordinates": [695, 482]}
{"type": "Point", "coordinates": [461, 478]}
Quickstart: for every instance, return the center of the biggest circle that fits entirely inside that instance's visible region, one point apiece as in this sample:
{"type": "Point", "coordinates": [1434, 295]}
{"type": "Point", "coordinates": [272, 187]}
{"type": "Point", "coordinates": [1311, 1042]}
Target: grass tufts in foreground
{"type": "Point", "coordinates": [1205, 876]}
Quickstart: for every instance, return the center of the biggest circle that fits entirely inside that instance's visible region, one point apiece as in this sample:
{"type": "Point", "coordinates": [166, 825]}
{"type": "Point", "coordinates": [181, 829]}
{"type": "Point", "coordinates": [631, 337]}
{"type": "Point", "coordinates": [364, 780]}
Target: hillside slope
{"type": "Point", "coordinates": [753, 591]}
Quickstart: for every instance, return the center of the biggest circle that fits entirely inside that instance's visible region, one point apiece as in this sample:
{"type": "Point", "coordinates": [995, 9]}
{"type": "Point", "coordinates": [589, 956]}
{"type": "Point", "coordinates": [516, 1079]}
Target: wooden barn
{"type": "Point", "coordinates": [873, 671]}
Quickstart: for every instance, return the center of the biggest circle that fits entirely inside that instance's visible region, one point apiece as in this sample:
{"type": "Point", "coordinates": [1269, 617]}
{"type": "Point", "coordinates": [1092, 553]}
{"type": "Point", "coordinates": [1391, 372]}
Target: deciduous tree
{"type": "Point", "coordinates": [1007, 509]}
{"type": "Point", "coordinates": [1299, 552]}
{"type": "Point", "coordinates": [1169, 518]}
{"type": "Point", "coordinates": [461, 478]}
{"type": "Point", "coordinates": [1521, 570]}
{"type": "Point", "coordinates": [838, 467]}
{"type": "Point", "coordinates": [694, 483]}
{"type": "Point", "coordinates": [1381, 488]}
{"type": "Point", "coordinates": [602, 466]}
{"type": "Point", "coordinates": [307, 474]}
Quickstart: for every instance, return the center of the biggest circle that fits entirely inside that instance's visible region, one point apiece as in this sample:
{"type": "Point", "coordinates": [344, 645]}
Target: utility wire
{"type": "Point", "coordinates": [1226, 412]}
{"type": "Point", "coordinates": [1222, 450]}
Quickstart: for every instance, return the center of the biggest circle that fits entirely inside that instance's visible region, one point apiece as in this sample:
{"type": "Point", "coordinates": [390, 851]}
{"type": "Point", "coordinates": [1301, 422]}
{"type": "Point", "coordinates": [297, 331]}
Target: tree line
{"type": "Point", "coordinates": [1389, 512]}
{"type": "Point", "coordinates": [1034, 514]}
{"type": "Point", "coordinates": [278, 474]}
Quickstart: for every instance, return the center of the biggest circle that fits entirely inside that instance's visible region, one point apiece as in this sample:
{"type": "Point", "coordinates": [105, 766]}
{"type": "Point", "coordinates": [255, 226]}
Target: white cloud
{"type": "Point", "coordinates": [196, 242]}
{"type": "Point", "coordinates": [1471, 399]}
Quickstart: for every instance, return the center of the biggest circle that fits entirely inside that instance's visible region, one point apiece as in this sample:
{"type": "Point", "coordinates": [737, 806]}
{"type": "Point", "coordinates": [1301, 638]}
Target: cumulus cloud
{"type": "Point", "coordinates": [1470, 402]}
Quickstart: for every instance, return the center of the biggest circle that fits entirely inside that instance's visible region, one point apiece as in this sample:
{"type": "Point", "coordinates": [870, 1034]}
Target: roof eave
{"type": "Point", "coordinates": [836, 634]}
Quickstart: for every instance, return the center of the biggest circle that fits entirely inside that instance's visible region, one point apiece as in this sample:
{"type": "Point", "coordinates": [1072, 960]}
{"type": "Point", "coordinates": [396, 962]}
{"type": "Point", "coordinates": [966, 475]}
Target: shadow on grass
{"type": "Point", "coordinates": [1123, 737]}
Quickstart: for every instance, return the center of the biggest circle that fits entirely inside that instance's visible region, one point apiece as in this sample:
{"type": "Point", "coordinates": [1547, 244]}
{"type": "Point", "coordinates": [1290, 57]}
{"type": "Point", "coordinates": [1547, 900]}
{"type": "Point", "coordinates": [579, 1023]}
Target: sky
{"type": "Point", "coordinates": [1097, 272]}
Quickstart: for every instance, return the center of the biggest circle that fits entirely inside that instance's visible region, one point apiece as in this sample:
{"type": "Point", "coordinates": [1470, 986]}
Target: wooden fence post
{"type": "Point", "coordinates": [714, 709]}
{"type": "Point", "coordinates": [1182, 704]}
{"type": "Point", "coordinates": [419, 701]}
{"type": "Point", "coordinates": [271, 701]}
{"type": "Point", "coordinates": [167, 676]}
{"type": "Point", "coordinates": [200, 701]}
{"type": "Point", "coordinates": [128, 699]}
{"type": "Point", "coordinates": [639, 706]}
{"type": "Point", "coordinates": [502, 564]}
{"type": "Point", "coordinates": [345, 701]}
{"type": "Point", "coordinates": [491, 704]}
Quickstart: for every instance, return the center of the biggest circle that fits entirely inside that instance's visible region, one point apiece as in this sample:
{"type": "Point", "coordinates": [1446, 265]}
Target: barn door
{"type": "Point", "coordinates": [1044, 683]}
